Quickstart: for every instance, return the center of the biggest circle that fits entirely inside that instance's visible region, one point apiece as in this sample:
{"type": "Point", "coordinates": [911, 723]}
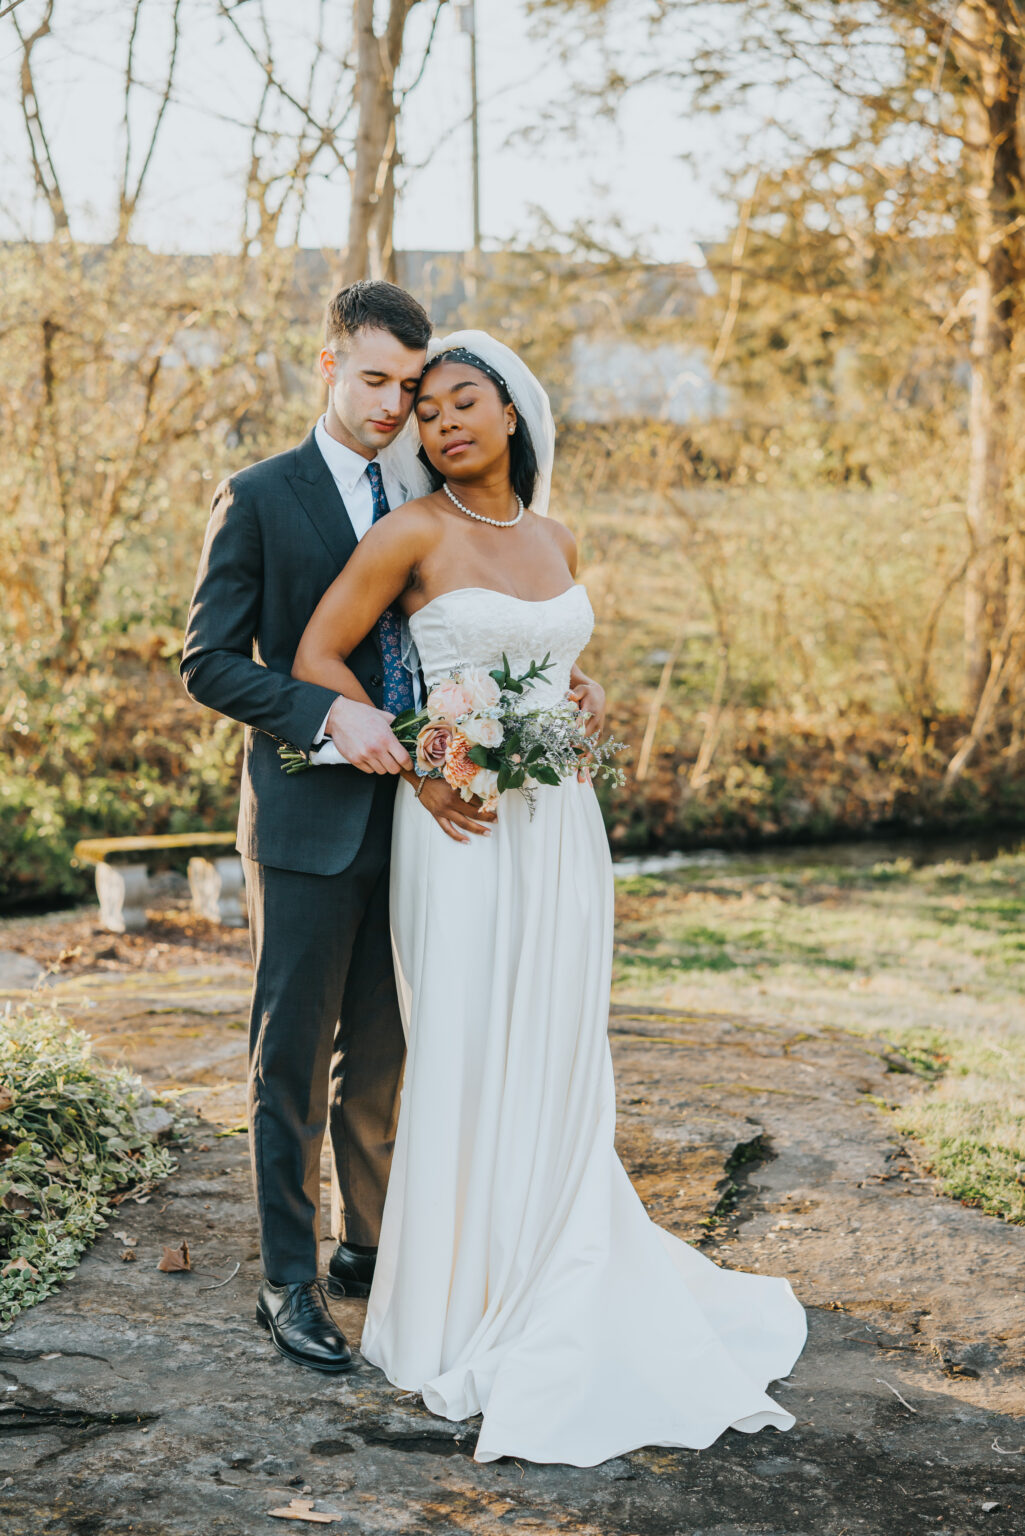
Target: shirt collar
{"type": "Point", "coordinates": [345, 464]}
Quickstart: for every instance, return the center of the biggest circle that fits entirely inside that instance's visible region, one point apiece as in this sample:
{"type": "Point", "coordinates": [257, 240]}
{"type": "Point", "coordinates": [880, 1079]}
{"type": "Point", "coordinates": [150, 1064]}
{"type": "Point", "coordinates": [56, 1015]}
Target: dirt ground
{"type": "Point", "coordinates": [137, 1401]}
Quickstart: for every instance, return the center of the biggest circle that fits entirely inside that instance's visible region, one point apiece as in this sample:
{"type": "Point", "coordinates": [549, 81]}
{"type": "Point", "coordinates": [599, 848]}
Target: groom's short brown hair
{"type": "Point", "coordinates": [375, 305]}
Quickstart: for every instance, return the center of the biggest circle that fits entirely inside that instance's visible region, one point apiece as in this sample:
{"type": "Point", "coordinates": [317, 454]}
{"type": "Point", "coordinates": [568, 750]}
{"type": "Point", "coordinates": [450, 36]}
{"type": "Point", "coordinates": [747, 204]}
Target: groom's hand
{"type": "Point", "coordinates": [364, 736]}
{"type": "Point", "coordinates": [454, 815]}
{"type": "Point", "coordinates": [589, 697]}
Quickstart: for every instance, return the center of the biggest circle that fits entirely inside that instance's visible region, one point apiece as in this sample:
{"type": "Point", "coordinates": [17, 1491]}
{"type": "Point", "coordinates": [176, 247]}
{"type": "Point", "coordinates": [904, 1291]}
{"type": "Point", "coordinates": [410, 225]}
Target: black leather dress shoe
{"type": "Point", "coordinates": [301, 1326]}
{"type": "Point", "coordinates": [350, 1272]}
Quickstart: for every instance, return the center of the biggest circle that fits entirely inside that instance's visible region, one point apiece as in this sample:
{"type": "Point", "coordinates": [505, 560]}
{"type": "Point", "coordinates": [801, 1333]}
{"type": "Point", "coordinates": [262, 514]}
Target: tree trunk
{"type": "Point", "coordinates": [369, 251]}
{"type": "Point", "coordinates": [989, 60]}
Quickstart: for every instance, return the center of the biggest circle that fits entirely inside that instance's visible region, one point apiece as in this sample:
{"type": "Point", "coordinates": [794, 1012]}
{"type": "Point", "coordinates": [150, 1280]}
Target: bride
{"type": "Point", "coordinates": [513, 1243]}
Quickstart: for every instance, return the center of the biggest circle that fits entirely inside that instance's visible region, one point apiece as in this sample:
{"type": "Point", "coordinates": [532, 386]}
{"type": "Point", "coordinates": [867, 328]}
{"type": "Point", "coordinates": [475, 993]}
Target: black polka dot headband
{"type": "Point", "coordinates": [464, 355]}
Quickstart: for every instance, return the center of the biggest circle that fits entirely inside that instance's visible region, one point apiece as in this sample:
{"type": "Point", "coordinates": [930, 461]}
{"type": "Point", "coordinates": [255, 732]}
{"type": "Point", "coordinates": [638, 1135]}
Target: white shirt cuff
{"type": "Point", "coordinates": [328, 755]}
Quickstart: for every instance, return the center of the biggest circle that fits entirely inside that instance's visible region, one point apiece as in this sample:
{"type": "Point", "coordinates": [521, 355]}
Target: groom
{"type": "Point", "coordinates": [326, 1042]}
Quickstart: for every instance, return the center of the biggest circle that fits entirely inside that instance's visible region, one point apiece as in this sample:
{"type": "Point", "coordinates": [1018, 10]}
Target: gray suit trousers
{"type": "Point", "coordinates": [326, 1047]}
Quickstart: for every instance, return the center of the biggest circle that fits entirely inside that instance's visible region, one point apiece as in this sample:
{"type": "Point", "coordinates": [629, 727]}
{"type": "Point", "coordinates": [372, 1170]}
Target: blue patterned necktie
{"type": "Point", "coordinates": [398, 683]}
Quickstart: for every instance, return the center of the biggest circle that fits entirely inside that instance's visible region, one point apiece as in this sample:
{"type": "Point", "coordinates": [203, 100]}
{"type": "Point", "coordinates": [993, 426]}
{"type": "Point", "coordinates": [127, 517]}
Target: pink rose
{"type": "Point", "coordinates": [485, 732]}
{"type": "Point", "coordinates": [448, 701]}
{"type": "Point", "coordinates": [431, 746]}
{"type": "Point", "coordinates": [480, 688]}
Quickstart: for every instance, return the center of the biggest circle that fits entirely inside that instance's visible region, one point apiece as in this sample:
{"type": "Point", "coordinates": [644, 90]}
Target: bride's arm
{"type": "Point", "coordinates": [379, 570]}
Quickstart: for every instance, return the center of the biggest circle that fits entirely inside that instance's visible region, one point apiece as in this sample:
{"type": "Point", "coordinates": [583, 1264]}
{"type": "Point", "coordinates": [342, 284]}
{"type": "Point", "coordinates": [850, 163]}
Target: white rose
{"type": "Point", "coordinates": [482, 731]}
{"type": "Point", "coordinates": [480, 688]}
{"type": "Point", "coordinates": [485, 784]}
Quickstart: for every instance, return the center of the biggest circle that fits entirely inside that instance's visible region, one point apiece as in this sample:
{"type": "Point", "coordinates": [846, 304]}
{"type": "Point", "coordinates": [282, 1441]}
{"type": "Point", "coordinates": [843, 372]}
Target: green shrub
{"type": "Point", "coordinates": [73, 1142]}
{"type": "Point", "coordinates": [118, 752]}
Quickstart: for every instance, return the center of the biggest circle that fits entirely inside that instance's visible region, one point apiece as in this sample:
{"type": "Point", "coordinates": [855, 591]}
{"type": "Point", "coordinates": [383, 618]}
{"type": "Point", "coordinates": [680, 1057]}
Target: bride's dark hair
{"type": "Point", "coordinates": [523, 468]}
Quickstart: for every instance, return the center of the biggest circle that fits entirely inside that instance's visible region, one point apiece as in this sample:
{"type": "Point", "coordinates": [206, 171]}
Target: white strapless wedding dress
{"type": "Point", "coordinates": [518, 1274]}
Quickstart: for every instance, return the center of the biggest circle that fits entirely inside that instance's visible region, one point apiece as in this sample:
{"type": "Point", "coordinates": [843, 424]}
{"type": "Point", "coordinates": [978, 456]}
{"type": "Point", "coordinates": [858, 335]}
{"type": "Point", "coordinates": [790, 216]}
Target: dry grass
{"type": "Point", "coordinates": [931, 960]}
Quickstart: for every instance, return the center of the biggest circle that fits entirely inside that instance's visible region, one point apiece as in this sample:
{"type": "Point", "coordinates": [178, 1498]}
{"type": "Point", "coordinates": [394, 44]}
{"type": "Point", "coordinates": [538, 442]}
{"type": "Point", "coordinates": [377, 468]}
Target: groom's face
{"type": "Point", "coordinates": [371, 379]}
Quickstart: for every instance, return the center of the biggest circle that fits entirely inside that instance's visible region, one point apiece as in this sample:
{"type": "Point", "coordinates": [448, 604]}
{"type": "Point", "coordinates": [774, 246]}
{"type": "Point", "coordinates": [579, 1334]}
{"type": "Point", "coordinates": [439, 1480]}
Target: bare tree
{"type": "Point", "coordinates": [987, 42]}
{"type": "Point", "coordinates": [357, 127]}
{"type": "Point", "coordinates": [917, 147]}
{"type": "Point", "coordinates": [369, 249]}
{"type": "Point", "coordinates": [116, 365]}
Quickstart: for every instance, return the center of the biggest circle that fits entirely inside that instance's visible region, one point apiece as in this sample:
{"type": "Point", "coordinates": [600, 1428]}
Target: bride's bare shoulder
{"type": "Point", "coordinates": [421, 509]}
{"type": "Point", "coordinates": [561, 536]}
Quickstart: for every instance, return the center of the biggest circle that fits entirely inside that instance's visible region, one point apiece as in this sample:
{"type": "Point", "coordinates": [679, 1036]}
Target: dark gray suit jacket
{"type": "Point", "coordinates": [278, 536]}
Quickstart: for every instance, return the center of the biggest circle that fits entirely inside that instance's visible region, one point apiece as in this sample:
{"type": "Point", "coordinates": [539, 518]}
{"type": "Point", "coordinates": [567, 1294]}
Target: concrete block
{"type": "Point", "coordinates": [218, 890]}
{"type": "Point", "coordinates": [122, 890]}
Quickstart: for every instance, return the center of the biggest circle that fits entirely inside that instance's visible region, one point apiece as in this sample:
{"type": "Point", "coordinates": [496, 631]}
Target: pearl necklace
{"type": "Point", "coordinates": [496, 522]}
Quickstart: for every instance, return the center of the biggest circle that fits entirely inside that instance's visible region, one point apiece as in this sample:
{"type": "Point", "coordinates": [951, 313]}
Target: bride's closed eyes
{"type": "Point", "coordinates": [460, 405]}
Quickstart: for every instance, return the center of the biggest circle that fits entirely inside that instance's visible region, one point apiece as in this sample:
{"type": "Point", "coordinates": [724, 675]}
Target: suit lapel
{"type": "Point", "coordinates": [314, 484]}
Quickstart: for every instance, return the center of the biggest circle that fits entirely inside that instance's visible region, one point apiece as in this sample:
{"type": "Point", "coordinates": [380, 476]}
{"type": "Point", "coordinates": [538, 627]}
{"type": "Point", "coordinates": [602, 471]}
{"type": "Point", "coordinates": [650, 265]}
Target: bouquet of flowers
{"type": "Point", "coordinates": [475, 733]}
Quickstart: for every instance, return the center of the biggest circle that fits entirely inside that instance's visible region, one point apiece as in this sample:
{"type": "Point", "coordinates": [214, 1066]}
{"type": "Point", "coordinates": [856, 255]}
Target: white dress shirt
{"type": "Point", "coordinates": [349, 473]}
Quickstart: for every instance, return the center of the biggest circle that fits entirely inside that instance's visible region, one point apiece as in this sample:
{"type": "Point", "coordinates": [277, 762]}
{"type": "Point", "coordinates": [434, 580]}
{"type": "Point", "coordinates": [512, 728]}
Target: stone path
{"type": "Point", "coordinates": [141, 1402]}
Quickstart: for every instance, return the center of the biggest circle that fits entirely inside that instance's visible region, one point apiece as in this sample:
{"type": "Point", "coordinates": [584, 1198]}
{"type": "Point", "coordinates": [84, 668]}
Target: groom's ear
{"type": "Point", "coordinates": [327, 363]}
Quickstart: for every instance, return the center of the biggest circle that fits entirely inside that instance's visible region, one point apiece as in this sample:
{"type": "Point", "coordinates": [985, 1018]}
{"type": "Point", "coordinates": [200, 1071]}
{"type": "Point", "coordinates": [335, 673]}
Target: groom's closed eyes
{"type": "Point", "coordinates": [373, 378]}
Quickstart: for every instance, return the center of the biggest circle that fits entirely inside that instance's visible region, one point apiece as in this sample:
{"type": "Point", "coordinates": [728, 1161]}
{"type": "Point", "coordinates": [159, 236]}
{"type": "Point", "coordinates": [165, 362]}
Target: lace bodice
{"type": "Point", "coordinates": [473, 626]}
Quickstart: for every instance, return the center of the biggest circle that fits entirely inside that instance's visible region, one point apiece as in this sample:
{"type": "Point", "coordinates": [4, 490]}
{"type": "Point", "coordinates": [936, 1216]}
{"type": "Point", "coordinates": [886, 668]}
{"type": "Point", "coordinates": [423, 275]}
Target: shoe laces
{"type": "Point", "coordinates": [308, 1300]}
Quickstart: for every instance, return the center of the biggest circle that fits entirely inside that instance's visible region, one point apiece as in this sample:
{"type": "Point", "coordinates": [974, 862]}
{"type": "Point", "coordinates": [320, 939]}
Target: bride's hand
{"type": "Point", "coordinates": [454, 815]}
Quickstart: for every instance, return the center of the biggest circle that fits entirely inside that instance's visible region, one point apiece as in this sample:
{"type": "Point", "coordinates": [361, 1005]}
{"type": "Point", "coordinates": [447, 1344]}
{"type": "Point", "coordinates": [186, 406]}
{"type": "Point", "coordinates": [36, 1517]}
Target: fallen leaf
{"type": "Point", "coordinates": [16, 1265]}
{"type": "Point", "coordinates": [16, 1202]}
{"type": "Point", "coordinates": [6, 1097]}
{"type": "Point", "coordinates": [989, 1506]}
{"type": "Point", "coordinates": [126, 1238]}
{"type": "Point", "coordinates": [302, 1509]}
{"type": "Point", "coordinates": [128, 1256]}
{"type": "Point", "coordinates": [175, 1259]}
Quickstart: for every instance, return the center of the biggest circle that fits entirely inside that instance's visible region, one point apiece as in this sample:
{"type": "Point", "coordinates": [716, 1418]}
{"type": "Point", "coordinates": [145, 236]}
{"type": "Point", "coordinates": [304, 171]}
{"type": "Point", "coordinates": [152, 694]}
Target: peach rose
{"type": "Point", "coordinates": [485, 732]}
{"type": "Point", "coordinates": [459, 770]}
{"type": "Point", "coordinates": [448, 701]}
{"type": "Point", "coordinates": [480, 688]}
{"type": "Point", "coordinates": [431, 746]}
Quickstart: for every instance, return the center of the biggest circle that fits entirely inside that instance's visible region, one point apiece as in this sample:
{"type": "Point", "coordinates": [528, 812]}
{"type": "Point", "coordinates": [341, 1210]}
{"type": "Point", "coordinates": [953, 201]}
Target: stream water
{"type": "Point", "coordinates": [918, 850]}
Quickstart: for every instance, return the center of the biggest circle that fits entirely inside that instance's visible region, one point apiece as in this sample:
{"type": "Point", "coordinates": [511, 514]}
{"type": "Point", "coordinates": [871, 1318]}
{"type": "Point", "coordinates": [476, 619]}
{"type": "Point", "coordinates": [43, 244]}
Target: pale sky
{"type": "Point", "coordinates": [632, 174]}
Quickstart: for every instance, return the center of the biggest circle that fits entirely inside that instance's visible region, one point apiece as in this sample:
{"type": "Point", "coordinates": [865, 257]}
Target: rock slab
{"type": "Point", "coordinates": [137, 1401]}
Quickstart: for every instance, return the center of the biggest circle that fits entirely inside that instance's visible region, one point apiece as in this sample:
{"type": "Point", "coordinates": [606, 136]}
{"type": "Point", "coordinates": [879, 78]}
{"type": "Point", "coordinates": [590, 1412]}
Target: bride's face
{"type": "Point", "coordinates": [464, 424]}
